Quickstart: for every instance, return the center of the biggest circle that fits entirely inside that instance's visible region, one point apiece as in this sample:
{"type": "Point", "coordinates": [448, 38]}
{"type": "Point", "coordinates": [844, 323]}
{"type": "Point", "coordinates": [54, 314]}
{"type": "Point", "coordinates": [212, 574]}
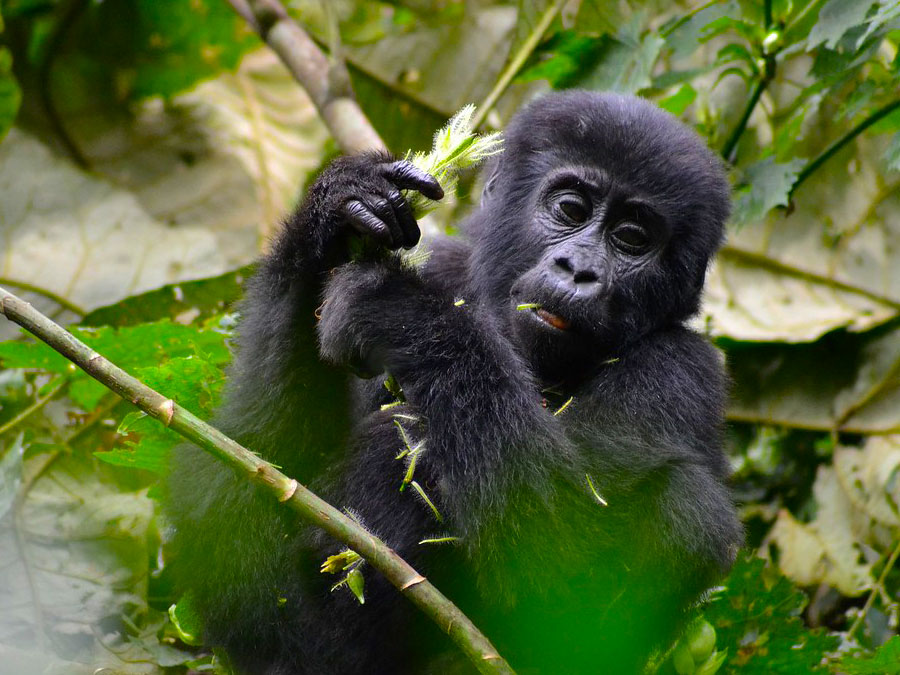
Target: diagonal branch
{"type": "Point", "coordinates": [310, 507]}
{"type": "Point", "coordinates": [325, 80]}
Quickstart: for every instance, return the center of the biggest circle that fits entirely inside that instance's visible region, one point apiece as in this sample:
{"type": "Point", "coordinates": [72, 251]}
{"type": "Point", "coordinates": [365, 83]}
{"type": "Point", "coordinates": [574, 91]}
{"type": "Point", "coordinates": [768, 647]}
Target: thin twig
{"type": "Point", "coordinates": [888, 566]}
{"type": "Point", "coordinates": [311, 508]}
{"type": "Point", "coordinates": [515, 64]}
{"type": "Point", "coordinates": [326, 81]}
{"type": "Point", "coordinates": [50, 295]}
{"type": "Point", "coordinates": [758, 88]}
{"type": "Point", "coordinates": [835, 147]}
{"type": "Point", "coordinates": [34, 407]}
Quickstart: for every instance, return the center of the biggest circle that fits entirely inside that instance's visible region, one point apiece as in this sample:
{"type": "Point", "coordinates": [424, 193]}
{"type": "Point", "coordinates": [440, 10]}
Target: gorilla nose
{"type": "Point", "coordinates": [580, 277]}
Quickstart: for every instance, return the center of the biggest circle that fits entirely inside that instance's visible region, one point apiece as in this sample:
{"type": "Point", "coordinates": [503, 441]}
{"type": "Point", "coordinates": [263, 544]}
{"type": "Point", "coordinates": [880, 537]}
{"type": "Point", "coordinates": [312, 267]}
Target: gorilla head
{"type": "Point", "coordinates": [603, 210]}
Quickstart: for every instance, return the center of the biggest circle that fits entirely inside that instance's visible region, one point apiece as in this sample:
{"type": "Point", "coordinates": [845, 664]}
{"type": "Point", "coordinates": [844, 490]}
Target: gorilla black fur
{"type": "Point", "coordinates": [601, 215]}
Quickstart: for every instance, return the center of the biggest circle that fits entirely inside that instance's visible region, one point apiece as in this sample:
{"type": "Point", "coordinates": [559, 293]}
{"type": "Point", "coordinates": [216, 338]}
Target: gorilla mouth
{"type": "Point", "coordinates": [551, 319]}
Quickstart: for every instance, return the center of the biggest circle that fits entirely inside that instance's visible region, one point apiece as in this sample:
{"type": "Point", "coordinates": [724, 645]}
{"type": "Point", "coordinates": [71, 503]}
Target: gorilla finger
{"type": "Point", "coordinates": [383, 208]}
{"type": "Point", "coordinates": [407, 176]}
{"type": "Point", "coordinates": [366, 222]}
{"type": "Point", "coordinates": [406, 219]}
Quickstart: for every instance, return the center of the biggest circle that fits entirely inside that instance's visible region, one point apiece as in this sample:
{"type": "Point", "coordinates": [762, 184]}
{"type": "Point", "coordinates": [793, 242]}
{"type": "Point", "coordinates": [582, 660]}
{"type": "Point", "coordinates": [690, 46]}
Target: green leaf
{"type": "Point", "coordinates": [189, 299]}
{"type": "Point", "coordinates": [410, 83]}
{"type": "Point", "coordinates": [885, 661]}
{"type": "Point", "coordinates": [356, 583]}
{"type": "Point", "coordinates": [683, 36]}
{"type": "Point", "coordinates": [757, 618]}
{"type": "Point", "coordinates": [678, 102]}
{"type": "Point", "coordinates": [622, 66]}
{"type": "Point", "coordinates": [75, 557]}
{"type": "Point", "coordinates": [188, 624]}
{"type": "Point", "coordinates": [836, 18]}
{"type": "Point", "coordinates": [842, 382]}
{"type": "Point", "coordinates": [154, 48]}
{"type": "Point", "coordinates": [194, 383]}
{"type": "Point", "coordinates": [768, 184]}
{"type": "Point", "coordinates": [562, 59]}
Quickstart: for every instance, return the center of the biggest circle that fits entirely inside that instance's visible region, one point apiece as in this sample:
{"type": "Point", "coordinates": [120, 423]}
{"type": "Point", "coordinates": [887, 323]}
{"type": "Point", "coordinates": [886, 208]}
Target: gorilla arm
{"type": "Point", "coordinates": [487, 434]}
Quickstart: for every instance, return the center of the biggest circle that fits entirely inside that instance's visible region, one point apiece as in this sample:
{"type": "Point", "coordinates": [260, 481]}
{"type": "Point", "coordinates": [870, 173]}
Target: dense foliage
{"type": "Point", "coordinates": [149, 148]}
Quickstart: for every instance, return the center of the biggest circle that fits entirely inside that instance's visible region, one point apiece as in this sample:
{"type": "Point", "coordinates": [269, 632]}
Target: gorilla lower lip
{"type": "Point", "coordinates": [556, 321]}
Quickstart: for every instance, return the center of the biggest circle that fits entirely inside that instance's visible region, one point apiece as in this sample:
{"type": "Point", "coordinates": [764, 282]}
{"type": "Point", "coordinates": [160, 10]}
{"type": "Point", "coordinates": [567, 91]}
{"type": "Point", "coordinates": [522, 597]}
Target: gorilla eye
{"type": "Point", "coordinates": [631, 238]}
{"type": "Point", "coordinates": [574, 208]}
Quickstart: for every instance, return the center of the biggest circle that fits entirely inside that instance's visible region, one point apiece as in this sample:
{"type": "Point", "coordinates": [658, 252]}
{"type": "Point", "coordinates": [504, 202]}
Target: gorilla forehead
{"type": "Point", "coordinates": [642, 147]}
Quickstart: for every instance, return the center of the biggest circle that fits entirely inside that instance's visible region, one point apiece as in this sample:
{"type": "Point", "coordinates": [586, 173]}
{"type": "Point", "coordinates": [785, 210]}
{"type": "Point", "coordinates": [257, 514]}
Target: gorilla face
{"type": "Point", "coordinates": [599, 242]}
{"type": "Point", "coordinates": [604, 211]}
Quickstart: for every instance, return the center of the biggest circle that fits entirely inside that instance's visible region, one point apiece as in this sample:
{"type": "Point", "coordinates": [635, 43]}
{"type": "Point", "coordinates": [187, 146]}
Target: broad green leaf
{"type": "Point", "coordinates": [596, 18]}
{"type": "Point", "coordinates": [683, 37]}
{"type": "Point", "coordinates": [624, 66]}
{"type": "Point", "coordinates": [194, 383]}
{"type": "Point", "coordinates": [885, 661]}
{"type": "Point", "coordinates": [185, 301]}
{"type": "Point", "coordinates": [72, 233]}
{"type": "Point", "coordinates": [825, 550]}
{"type": "Point", "coordinates": [835, 18]}
{"type": "Point", "coordinates": [74, 556]}
{"type": "Point", "coordinates": [562, 59]}
{"type": "Point", "coordinates": [843, 381]}
{"type": "Point", "coordinates": [129, 348]}
{"type": "Point", "coordinates": [678, 102]}
{"type": "Point", "coordinates": [757, 619]}
{"type": "Point", "coordinates": [768, 184]}
{"type": "Point", "coordinates": [159, 48]}
{"type": "Point", "coordinates": [831, 263]}
{"type": "Point", "coordinates": [437, 68]}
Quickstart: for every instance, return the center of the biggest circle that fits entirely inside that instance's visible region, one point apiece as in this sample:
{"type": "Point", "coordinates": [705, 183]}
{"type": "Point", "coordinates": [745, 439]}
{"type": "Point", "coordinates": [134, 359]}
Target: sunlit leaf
{"type": "Point", "coordinates": [885, 661]}
{"type": "Point", "coordinates": [835, 18]}
{"type": "Point", "coordinates": [757, 619]}
{"type": "Point", "coordinates": [769, 185]}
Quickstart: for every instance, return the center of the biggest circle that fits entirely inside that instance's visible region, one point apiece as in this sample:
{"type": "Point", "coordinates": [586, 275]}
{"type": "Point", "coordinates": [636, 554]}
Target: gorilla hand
{"type": "Point", "coordinates": [364, 193]}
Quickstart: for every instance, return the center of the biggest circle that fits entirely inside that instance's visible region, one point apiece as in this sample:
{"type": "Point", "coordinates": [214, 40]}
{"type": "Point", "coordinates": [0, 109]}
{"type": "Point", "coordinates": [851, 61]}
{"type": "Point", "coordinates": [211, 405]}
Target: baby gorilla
{"type": "Point", "coordinates": [567, 426]}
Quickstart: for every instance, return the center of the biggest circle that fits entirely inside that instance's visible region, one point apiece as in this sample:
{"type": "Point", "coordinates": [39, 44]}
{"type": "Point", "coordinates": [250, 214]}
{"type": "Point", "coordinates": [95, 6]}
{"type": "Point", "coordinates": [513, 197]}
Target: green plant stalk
{"type": "Point", "coordinates": [516, 63]}
{"type": "Point", "coordinates": [50, 295]}
{"type": "Point", "coordinates": [758, 88]}
{"type": "Point", "coordinates": [879, 584]}
{"type": "Point", "coordinates": [34, 407]}
{"type": "Point", "coordinates": [310, 507]}
{"type": "Point", "coordinates": [835, 147]}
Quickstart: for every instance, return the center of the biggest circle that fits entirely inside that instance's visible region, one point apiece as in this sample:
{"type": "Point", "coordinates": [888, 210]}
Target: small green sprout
{"type": "Point", "coordinates": [456, 147]}
{"type": "Point", "coordinates": [440, 540]}
{"type": "Point", "coordinates": [348, 561]}
{"type": "Point", "coordinates": [563, 407]}
{"type": "Point", "coordinates": [596, 494]}
{"type": "Point", "coordinates": [418, 488]}
{"type": "Point", "coordinates": [528, 305]}
{"type": "Point", "coordinates": [340, 562]}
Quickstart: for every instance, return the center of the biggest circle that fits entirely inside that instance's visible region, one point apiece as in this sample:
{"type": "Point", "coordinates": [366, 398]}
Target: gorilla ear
{"type": "Point", "coordinates": [493, 174]}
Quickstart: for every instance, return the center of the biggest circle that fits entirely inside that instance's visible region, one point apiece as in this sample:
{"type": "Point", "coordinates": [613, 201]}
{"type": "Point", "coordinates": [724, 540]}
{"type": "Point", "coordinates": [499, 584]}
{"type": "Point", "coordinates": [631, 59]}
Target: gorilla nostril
{"type": "Point", "coordinates": [585, 277]}
{"type": "Point", "coordinates": [563, 264]}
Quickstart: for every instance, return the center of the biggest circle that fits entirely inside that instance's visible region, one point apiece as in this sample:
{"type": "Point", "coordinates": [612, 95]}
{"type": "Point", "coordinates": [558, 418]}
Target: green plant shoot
{"type": "Point", "coordinates": [456, 147]}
